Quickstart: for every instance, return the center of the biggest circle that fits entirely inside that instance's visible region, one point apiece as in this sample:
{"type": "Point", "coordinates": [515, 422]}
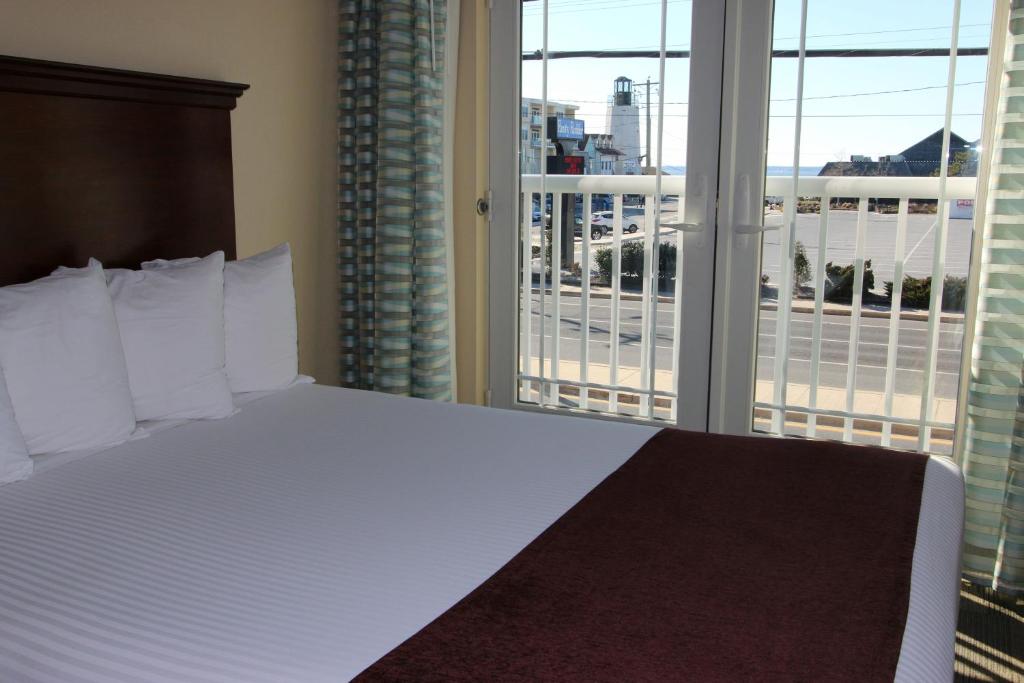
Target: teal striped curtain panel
{"type": "Point", "coordinates": [993, 447]}
{"type": "Point", "coordinates": [392, 254]}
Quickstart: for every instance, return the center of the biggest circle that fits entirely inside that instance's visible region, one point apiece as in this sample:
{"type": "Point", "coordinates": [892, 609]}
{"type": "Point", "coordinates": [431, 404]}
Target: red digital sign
{"type": "Point", "coordinates": [563, 165]}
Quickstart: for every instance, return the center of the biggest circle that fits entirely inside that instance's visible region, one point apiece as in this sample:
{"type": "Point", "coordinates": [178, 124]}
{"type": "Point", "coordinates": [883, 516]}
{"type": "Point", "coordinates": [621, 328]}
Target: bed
{"type": "Point", "coordinates": [318, 529]}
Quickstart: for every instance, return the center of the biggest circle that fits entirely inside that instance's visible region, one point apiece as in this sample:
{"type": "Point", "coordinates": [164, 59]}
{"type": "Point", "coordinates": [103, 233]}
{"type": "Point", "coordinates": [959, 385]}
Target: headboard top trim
{"type": "Point", "coordinates": [19, 74]}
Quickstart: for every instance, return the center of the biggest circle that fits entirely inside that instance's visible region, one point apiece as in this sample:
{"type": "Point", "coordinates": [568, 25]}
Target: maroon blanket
{"type": "Point", "coordinates": [702, 558]}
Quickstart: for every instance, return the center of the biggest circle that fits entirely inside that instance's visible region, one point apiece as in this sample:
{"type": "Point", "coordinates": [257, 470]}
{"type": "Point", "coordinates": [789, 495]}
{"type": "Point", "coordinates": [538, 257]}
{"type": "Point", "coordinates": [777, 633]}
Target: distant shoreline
{"type": "Point", "coordinates": [770, 170]}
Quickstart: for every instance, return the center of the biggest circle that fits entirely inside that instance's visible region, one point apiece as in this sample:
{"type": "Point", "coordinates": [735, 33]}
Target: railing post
{"type": "Point", "coordinates": [613, 331]}
{"type": "Point", "coordinates": [819, 305]}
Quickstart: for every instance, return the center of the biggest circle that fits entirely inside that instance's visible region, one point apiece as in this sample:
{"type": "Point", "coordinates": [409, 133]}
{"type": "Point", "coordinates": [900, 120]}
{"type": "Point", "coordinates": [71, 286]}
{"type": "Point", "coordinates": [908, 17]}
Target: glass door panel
{"type": "Point", "coordinates": [867, 236]}
{"type": "Point", "coordinates": [615, 207]}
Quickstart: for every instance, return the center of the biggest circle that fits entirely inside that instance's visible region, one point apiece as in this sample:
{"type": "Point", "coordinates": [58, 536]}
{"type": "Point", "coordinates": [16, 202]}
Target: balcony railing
{"type": "Point", "coordinates": [638, 388]}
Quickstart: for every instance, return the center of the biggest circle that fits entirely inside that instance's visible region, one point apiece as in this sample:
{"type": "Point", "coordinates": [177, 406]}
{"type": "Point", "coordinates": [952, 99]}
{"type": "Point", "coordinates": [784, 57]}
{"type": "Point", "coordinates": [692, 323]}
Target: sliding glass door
{"type": "Point", "coordinates": [730, 216]}
{"type": "Point", "coordinates": [614, 165]}
{"type": "Point", "coordinates": [872, 158]}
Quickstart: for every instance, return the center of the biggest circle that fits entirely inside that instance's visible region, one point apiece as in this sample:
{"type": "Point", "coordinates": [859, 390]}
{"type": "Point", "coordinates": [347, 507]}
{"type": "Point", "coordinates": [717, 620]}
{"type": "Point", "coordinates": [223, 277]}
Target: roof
{"type": "Point", "coordinates": [930, 148]}
{"type": "Point", "coordinates": [920, 160]}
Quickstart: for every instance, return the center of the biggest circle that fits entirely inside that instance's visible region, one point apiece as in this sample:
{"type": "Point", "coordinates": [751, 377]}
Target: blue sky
{"type": "Point", "coordinates": [833, 127]}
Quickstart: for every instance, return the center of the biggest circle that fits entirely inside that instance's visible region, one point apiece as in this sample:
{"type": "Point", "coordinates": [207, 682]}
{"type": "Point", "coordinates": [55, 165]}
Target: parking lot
{"type": "Point", "coordinates": [879, 243]}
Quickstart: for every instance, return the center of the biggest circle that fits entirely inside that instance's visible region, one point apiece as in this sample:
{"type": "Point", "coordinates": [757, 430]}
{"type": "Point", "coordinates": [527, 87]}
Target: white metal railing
{"type": "Point", "coordinates": [543, 382]}
{"type": "Point", "coordinates": [541, 377]}
{"type": "Point", "coordinates": [941, 189]}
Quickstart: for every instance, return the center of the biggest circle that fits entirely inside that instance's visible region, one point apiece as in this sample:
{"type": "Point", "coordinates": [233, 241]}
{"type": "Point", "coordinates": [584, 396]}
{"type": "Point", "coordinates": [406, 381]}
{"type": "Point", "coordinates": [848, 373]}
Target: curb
{"type": "Point", "coordinates": [869, 313]}
{"type": "Point", "coordinates": [864, 313]}
{"type": "Point", "coordinates": [623, 296]}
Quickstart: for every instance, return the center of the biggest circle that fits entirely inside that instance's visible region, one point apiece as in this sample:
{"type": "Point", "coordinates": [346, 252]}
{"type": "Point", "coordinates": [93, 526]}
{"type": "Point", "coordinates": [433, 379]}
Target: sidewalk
{"type": "Point", "coordinates": [905, 406]}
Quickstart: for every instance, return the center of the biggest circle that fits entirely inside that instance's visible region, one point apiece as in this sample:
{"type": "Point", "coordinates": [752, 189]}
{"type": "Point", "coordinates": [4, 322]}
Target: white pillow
{"type": "Point", "coordinates": [14, 461]}
{"type": "Point", "coordinates": [172, 328]}
{"type": "Point", "coordinates": [259, 320]}
{"type": "Point", "coordinates": [63, 362]}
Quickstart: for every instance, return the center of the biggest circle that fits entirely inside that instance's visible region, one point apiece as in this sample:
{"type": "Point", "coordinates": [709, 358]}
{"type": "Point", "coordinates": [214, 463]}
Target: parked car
{"type": "Point", "coordinates": [596, 231]}
{"type": "Point", "coordinates": [604, 218]}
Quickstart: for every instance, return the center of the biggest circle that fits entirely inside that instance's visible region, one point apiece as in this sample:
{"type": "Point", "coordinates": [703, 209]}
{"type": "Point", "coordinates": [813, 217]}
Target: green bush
{"type": "Point", "coordinates": [535, 251]}
{"type": "Point", "coordinates": [801, 267]}
{"type": "Point", "coordinates": [603, 257]}
{"type": "Point", "coordinates": [917, 292]}
{"type": "Point", "coordinates": [839, 282]}
{"type": "Point", "coordinates": [954, 293]}
{"type": "Point", "coordinates": [632, 264]}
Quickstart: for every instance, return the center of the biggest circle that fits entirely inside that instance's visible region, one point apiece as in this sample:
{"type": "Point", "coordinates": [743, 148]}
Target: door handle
{"type": "Point", "coordinates": [746, 227]}
{"type": "Point", "coordinates": [684, 227]}
{"type": "Point", "coordinates": [753, 229]}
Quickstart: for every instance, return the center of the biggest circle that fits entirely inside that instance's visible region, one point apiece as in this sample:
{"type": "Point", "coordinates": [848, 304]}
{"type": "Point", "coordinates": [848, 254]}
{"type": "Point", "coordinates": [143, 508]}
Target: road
{"type": "Point", "coordinates": [872, 348]}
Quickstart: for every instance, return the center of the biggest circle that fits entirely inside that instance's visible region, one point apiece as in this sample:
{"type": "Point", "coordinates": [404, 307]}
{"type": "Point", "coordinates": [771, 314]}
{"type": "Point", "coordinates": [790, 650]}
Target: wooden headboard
{"type": "Point", "coordinates": [121, 165]}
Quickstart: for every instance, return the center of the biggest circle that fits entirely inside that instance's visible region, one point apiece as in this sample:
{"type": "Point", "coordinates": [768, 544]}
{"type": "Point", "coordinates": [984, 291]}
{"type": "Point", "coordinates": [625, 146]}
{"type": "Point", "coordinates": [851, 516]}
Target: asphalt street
{"type": "Point", "coordinates": [872, 348]}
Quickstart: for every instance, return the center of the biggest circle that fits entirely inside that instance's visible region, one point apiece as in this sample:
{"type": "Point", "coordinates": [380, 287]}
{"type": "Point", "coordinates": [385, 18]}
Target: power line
{"type": "Point", "coordinates": [877, 92]}
{"type": "Point", "coordinates": [823, 116]}
{"type": "Point", "coordinates": [872, 33]}
{"type": "Point", "coordinates": [793, 99]}
{"type": "Point", "coordinates": [561, 9]}
{"type": "Point", "coordinates": [832, 35]}
{"type": "Point", "coordinates": [782, 54]}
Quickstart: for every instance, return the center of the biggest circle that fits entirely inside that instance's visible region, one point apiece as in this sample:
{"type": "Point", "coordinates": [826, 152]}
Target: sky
{"type": "Point", "coordinates": [839, 117]}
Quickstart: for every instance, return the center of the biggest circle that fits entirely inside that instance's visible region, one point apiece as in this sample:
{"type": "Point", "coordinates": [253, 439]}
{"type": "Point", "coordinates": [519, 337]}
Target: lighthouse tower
{"type": "Point", "coordinates": [623, 123]}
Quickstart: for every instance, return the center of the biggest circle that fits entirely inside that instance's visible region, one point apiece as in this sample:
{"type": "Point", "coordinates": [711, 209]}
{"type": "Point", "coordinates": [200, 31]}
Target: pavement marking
{"type": "Point", "coordinates": [866, 365]}
{"type": "Point", "coordinates": [864, 343]}
{"type": "Point", "coordinates": [914, 248]}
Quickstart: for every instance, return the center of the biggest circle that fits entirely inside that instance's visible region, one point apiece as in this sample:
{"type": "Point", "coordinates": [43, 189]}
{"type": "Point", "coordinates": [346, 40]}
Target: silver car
{"type": "Point", "coordinates": [604, 218]}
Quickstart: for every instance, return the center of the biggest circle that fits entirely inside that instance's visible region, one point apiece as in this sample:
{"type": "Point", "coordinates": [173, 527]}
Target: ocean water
{"type": "Point", "coordinates": [771, 170]}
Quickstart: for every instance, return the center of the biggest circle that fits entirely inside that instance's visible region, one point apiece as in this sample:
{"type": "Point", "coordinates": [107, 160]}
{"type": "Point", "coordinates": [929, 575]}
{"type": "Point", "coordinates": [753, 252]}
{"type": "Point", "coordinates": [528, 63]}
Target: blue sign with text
{"type": "Point", "coordinates": [563, 128]}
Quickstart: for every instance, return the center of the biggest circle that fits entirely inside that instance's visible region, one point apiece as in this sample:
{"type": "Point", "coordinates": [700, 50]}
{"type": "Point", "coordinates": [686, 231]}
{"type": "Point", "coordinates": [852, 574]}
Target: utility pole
{"type": "Point", "coordinates": [647, 103]}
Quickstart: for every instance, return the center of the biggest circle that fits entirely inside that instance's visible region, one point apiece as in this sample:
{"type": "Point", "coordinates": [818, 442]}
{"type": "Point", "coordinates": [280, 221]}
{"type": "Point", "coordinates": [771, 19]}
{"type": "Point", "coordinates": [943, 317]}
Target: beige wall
{"type": "Point", "coordinates": [283, 130]}
{"type": "Point", "coordinates": [470, 182]}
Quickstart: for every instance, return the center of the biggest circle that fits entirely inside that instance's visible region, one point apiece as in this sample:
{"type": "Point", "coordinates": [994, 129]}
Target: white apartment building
{"type": "Point", "coordinates": [532, 134]}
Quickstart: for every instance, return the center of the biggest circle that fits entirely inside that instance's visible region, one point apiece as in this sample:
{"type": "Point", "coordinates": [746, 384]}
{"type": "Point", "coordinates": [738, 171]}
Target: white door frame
{"type": "Point", "coordinates": [702, 183]}
{"type": "Point", "coordinates": [717, 345]}
{"type": "Point", "coordinates": [745, 85]}
{"type": "Point", "coordinates": [703, 175]}
{"type": "Point", "coordinates": [503, 234]}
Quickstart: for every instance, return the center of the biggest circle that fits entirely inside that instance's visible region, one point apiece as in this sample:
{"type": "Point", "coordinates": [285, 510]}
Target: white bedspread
{"type": "Point", "coordinates": [314, 531]}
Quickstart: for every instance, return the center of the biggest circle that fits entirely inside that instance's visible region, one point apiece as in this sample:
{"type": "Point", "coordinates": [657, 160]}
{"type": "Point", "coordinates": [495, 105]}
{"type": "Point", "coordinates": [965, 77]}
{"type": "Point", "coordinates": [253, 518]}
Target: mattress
{"type": "Point", "coordinates": [306, 536]}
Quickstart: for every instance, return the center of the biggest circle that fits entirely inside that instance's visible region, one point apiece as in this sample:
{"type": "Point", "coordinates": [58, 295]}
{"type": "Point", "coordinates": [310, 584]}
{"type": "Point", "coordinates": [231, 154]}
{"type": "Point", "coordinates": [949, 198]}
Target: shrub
{"type": "Point", "coordinates": [839, 282]}
{"type": "Point", "coordinates": [603, 257]}
{"type": "Point", "coordinates": [632, 263]}
{"type": "Point", "coordinates": [954, 293]}
{"type": "Point", "coordinates": [801, 267]}
{"type": "Point", "coordinates": [917, 292]}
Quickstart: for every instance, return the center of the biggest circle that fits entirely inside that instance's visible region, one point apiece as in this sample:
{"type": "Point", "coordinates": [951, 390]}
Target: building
{"type": "Point", "coordinates": [623, 124]}
{"type": "Point", "coordinates": [920, 159]}
{"type": "Point", "coordinates": [532, 135]}
{"type": "Point", "coordinates": [602, 157]}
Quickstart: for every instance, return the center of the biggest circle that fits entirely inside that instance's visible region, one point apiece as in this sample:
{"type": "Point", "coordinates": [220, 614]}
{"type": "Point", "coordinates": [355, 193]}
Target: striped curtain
{"type": "Point", "coordinates": [993, 444]}
{"type": "Point", "coordinates": [392, 258]}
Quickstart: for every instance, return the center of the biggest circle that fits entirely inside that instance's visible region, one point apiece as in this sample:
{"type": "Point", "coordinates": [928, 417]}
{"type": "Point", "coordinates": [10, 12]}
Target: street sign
{"type": "Point", "coordinates": [564, 128]}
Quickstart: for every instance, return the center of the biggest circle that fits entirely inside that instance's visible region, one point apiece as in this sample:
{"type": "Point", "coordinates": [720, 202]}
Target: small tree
{"type": "Point", "coordinates": [801, 267]}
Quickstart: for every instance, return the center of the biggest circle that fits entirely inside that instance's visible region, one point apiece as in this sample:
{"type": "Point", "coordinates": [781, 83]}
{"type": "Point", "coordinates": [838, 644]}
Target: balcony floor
{"type": "Point", "coordinates": [990, 637]}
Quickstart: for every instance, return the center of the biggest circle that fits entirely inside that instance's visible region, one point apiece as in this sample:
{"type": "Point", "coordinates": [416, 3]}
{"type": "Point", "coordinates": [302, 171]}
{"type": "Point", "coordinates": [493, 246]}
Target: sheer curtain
{"type": "Point", "coordinates": [992, 452]}
{"type": "Point", "coordinates": [393, 235]}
